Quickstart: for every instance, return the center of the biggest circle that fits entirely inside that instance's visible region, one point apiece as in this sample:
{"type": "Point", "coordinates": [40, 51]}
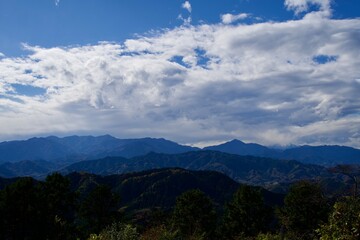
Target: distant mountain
{"type": "Point", "coordinates": [323, 155]}
{"type": "Point", "coordinates": [76, 148]}
{"type": "Point", "coordinates": [32, 149]}
{"type": "Point", "coordinates": [246, 169]}
{"type": "Point", "coordinates": [104, 166]}
{"type": "Point", "coordinates": [36, 169]}
{"type": "Point", "coordinates": [38, 156]}
{"type": "Point", "coordinates": [320, 155]}
{"type": "Point", "coordinates": [102, 146]}
{"type": "Point", "coordinates": [238, 147]}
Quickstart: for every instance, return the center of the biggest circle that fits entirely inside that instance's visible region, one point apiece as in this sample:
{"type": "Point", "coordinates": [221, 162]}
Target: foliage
{"type": "Point", "coordinates": [344, 221]}
{"type": "Point", "coordinates": [22, 211]}
{"type": "Point", "coordinates": [37, 210]}
{"type": "Point", "coordinates": [305, 208]}
{"type": "Point", "coordinates": [98, 209]}
{"type": "Point", "coordinates": [194, 215]}
{"type": "Point", "coordinates": [268, 236]}
{"type": "Point", "coordinates": [50, 209]}
{"type": "Point", "coordinates": [246, 214]}
{"type": "Point", "coordinates": [160, 232]}
{"type": "Point", "coordinates": [117, 231]}
{"type": "Point", "coordinates": [60, 202]}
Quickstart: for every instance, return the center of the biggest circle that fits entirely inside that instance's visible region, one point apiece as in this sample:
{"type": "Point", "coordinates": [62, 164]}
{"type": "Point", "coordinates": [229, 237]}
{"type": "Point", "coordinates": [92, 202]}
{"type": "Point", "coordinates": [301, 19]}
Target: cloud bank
{"type": "Point", "coordinates": [273, 83]}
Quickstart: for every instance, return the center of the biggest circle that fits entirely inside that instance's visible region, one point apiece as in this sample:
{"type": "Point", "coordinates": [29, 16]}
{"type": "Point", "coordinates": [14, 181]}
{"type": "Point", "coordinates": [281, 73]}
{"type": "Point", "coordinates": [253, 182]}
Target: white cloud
{"type": "Point", "coordinates": [196, 84]}
{"type": "Point", "coordinates": [57, 2]}
{"type": "Point", "coordinates": [299, 6]}
{"type": "Point", "coordinates": [186, 5]}
{"type": "Point", "coordinates": [230, 18]}
{"type": "Point", "coordinates": [2, 55]}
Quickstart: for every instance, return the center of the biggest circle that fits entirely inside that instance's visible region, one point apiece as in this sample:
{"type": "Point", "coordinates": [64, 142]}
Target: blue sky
{"type": "Point", "coordinates": [49, 23]}
{"type": "Point", "coordinates": [197, 72]}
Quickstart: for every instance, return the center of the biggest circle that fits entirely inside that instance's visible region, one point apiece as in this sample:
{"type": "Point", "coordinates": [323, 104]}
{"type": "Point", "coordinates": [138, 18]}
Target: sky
{"type": "Point", "coordinates": [274, 72]}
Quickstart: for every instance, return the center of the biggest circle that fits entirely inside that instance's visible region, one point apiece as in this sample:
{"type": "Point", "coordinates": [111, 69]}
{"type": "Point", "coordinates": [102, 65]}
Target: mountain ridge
{"type": "Point", "coordinates": [265, 172]}
{"type": "Point", "coordinates": [78, 148]}
{"type": "Point", "coordinates": [159, 187]}
{"type": "Point", "coordinates": [39, 156]}
{"type": "Point", "coordinates": [325, 155]}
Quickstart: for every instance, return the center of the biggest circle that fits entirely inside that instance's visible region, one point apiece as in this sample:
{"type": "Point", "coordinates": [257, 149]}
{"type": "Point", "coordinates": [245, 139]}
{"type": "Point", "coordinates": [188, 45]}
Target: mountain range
{"type": "Point", "coordinates": [327, 155]}
{"type": "Point", "coordinates": [105, 155]}
{"type": "Point", "coordinates": [265, 172]}
{"type": "Point", "coordinates": [78, 148]}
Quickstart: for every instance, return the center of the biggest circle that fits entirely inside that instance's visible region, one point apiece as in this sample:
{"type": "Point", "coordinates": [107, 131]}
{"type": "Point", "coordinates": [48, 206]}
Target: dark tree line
{"type": "Point", "coordinates": [31, 209]}
{"type": "Point", "coordinates": [50, 210]}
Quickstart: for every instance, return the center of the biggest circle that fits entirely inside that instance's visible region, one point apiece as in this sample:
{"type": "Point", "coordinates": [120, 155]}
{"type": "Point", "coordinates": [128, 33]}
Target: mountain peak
{"type": "Point", "coordinates": [236, 146]}
{"type": "Point", "coordinates": [237, 141]}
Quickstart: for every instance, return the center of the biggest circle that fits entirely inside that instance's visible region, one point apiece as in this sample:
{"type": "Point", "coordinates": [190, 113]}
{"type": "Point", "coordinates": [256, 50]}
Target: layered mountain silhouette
{"type": "Point", "coordinates": [36, 168]}
{"type": "Point", "coordinates": [160, 187]}
{"type": "Point", "coordinates": [240, 148]}
{"type": "Point", "coordinates": [321, 155]}
{"type": "Point", "coordinates": [77, 148]}
{"type": "Point", "coordinates": [244, 162]}
{"type": "Point", "coordinates": [251, 170]}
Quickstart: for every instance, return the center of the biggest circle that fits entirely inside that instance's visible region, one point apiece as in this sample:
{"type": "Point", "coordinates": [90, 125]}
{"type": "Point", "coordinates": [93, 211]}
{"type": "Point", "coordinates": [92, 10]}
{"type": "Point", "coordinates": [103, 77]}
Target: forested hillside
{"type": "Point", "coordinates": [265, 172]}
{"type": "Point", "coordinates": [168, 204]}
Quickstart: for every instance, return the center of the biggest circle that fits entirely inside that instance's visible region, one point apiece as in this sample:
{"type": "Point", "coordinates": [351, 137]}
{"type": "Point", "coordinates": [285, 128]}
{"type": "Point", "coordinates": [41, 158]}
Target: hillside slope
{"type": "Point", "coordinates": [246, 169]}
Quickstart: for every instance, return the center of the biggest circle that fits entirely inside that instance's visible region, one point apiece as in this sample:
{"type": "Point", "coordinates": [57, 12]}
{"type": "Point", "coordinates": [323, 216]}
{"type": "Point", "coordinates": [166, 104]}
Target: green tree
{"type": "Point", "coordinates": [194, 215]}
{"type": "Point", "coordinates": [268, 236]}
{"type": "Point", "coordinates": [23, 213]}
{"type": "Point", "coordinates": [246, 214]}
{"type": "Point", "coordinates": [117, 231]}
{"type": "Point", "coordinates": [305, 208]}
{"type": "Point", "coordinates": [98, 209]}
{"type": "Point", "coordinates": [344, 221]}
{"type": "Point", "coordinates": [159, 232]}
{"type": "Point", "coordinates": [60, 206]}
{"type": "Point", "coordinates": [58, 194]}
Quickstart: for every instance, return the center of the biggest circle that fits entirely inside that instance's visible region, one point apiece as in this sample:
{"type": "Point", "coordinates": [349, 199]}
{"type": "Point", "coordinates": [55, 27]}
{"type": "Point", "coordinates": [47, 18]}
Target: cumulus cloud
{"type": "Point", "coordinates": [261, 82]}
{"type": "Point", "coordinates": [186, 5]}
{"type": "Point", "coordinates": [299, 6]}
{"type": "Point", "coordinates": [230, 18]}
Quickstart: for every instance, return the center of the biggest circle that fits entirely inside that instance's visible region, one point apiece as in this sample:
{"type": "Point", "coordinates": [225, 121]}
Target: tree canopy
{"type": "Point", "coordinates": [305, 208]}
{"type": "Point", "coordinates": [194, 215]}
